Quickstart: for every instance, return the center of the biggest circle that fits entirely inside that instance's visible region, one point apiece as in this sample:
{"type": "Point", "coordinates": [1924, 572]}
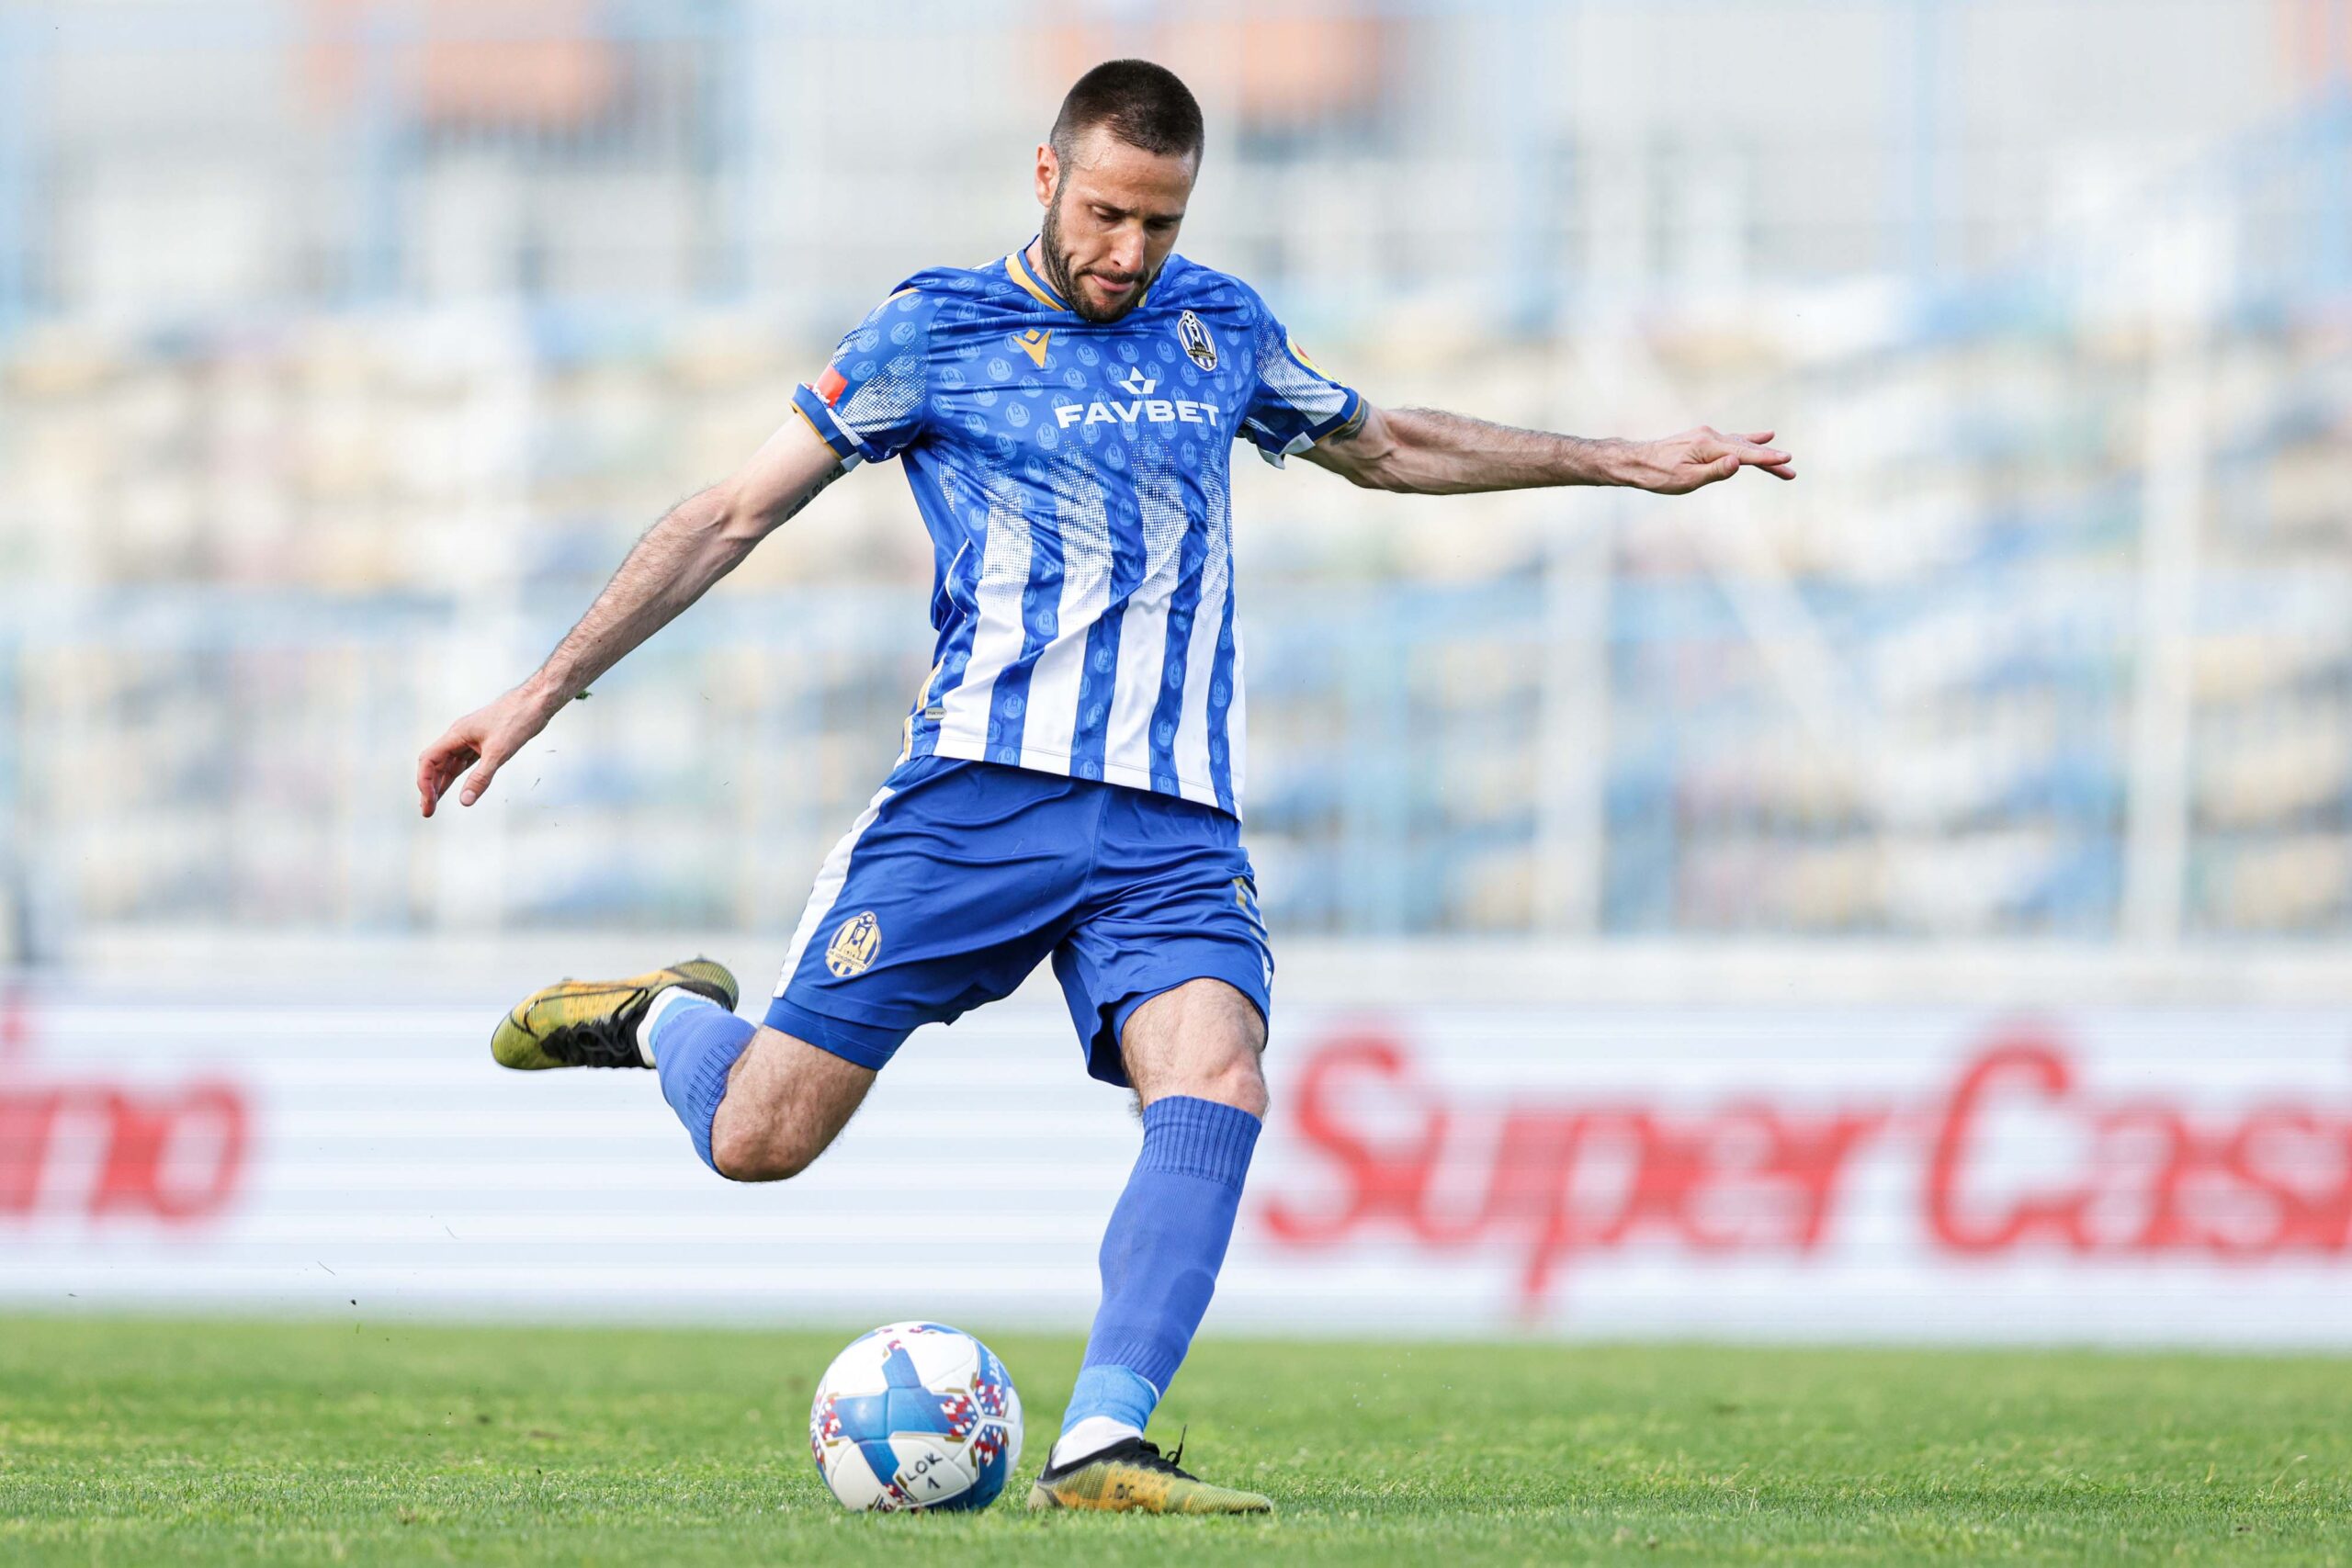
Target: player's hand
{"type": "Point", "coordinates": [1681, 464]}
{"type": "Point", "coordinates": [482, 741]}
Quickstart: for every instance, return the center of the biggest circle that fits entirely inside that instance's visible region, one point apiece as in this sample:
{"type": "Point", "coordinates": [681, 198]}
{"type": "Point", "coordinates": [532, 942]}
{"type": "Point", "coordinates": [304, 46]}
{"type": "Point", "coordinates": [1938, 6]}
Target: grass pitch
{"type": "Point", "coordinates": [139, 1441]}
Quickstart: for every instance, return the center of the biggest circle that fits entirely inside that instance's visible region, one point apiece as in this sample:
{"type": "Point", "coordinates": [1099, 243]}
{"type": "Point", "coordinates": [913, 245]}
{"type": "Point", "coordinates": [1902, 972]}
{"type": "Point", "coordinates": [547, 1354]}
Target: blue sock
{"type": "Point", "coordinates": [695, 1045]}
{"type": "Point", "coordinates": [1160, 1255]}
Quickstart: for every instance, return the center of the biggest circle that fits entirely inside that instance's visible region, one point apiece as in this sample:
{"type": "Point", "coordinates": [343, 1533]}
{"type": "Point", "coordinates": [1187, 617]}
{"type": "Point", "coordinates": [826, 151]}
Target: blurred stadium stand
{"type": "Point", "coordinates": [344, 347]}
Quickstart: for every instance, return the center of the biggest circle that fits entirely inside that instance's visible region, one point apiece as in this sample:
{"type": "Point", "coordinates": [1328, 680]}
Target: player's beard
{"type": "Point", "coordinates": [1057, 270]}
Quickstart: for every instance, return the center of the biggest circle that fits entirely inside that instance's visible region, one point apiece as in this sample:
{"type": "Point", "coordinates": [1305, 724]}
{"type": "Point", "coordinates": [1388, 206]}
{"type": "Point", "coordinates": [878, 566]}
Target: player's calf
{"type": "Point", "coordinates": [784, 1103]}
{"type": "Point", "coordinates": [755, 1153]}
{"type": "Point", "coordinates": [759, 1105]}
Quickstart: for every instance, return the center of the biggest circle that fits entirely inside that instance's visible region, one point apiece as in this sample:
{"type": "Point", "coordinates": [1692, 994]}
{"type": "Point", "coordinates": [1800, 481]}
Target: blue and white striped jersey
{"type": "Point", "coordinates": [1073, 476]}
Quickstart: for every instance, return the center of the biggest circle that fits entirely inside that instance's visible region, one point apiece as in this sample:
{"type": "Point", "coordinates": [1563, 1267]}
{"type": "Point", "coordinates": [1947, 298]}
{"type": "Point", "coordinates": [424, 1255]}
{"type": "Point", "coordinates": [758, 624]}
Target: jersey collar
{"type": "Point", "coordinates": [1016, 266]}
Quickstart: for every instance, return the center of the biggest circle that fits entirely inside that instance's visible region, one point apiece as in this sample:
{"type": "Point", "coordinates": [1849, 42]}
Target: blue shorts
{"type": "Point", "coordinates": [961, 875]}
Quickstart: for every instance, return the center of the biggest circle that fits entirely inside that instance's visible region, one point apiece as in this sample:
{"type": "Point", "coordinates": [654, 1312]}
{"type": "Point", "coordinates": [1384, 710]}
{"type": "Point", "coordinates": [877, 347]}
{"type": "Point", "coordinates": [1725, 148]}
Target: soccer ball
{"type": "Point", "coordinates": [915, 1415]}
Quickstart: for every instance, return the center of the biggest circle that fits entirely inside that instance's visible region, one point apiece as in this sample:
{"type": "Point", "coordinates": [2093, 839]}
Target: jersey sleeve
{"type": "Point", "coordinates": [1294, 404]}
{"type": "Point", "coordinates": [874, 397]}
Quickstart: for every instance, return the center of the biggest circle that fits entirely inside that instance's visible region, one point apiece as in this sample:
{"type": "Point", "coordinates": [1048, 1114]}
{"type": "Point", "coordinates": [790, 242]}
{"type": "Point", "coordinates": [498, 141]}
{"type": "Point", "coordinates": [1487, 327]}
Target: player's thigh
{"type": "Point", "coordinates": [785, 1102]}
{"type": "Point", "coordinates": [1172, 902]}
{"type": "Point", "coordinates": [959, 879]}
{"type": "Point", "coordinates": [1202, 1038]}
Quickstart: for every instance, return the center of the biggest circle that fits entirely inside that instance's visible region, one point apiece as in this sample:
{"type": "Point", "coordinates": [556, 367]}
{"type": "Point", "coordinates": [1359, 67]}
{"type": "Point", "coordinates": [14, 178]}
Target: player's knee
{"type": "Point", "coordinates": [1249, 1092]}
{"type": "Point", "coordinates": [1238, 1074]}
{"type": "Point", "coordinates": [1236, 1081]}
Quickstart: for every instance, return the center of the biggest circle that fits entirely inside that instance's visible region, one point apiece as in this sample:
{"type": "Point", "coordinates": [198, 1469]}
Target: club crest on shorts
{"type": "Point", "coordinates": [854, 947]}
{"type": "Point", "coordinates": [1198, 344]}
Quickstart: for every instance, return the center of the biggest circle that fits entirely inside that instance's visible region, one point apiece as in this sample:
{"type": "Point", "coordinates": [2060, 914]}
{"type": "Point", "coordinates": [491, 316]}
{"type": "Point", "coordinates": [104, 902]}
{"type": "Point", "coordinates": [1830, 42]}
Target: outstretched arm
{"type": "Point", "coordinates": [1428, 452]}
{"type": "Point", "coordinates": [701, 540]}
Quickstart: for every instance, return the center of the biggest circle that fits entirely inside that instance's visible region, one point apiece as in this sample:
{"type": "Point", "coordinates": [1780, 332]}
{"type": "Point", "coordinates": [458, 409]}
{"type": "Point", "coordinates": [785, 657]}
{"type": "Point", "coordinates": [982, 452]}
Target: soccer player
{"type": "Point", "coordinates": [1070, 779]}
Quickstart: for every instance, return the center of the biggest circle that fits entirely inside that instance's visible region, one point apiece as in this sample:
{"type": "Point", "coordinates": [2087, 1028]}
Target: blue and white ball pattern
{"type": "Point", "coordinates": [915, 1415]}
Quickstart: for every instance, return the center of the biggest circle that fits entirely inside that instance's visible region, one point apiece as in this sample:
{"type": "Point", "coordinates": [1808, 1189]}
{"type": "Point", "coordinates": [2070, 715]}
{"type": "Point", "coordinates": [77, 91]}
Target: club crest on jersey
{"type": "Point", "coordinates": [1199, 347]}
{"type": "Point", "coordinates": [854, 947]}
{"type": "Point", "coordinates": [1034, 343]}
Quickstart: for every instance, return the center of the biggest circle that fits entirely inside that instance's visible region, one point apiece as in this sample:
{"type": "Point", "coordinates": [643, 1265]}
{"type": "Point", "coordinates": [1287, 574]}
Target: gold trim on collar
{"type": "Point", "coordinates": [1016, 267]}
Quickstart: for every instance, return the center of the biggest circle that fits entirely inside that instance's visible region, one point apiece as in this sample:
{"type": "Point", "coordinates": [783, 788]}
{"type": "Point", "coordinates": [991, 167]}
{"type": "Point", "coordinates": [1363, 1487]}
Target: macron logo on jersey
{"type": "Point", "coordinates": [1140, 404]}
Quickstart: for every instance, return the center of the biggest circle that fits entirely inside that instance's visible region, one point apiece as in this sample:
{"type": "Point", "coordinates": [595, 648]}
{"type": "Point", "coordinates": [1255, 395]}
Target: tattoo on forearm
{"type": "Point", "coordinates": [798, 507]}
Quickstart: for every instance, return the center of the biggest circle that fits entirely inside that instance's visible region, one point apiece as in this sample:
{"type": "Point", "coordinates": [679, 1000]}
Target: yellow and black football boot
{"type": "Point", "coordinates": [1133, 1476]}
{"type": "Point", "coordinates": [593, 1023]}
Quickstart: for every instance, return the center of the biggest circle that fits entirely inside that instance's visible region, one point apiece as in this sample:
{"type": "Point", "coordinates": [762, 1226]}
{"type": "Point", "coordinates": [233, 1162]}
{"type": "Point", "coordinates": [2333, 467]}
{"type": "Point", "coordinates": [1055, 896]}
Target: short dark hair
{"type": "Point", "coordinates": [1143, 104]}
